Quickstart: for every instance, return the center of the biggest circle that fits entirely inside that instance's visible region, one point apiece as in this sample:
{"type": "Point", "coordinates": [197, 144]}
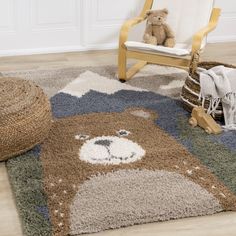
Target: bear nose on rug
{"type": "Point", "coordinates": [104, 142]}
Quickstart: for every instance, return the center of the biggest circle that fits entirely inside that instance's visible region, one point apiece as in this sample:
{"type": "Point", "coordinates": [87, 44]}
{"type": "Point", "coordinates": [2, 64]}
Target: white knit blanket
{"type": "Point", "coordinates": [219, 85]}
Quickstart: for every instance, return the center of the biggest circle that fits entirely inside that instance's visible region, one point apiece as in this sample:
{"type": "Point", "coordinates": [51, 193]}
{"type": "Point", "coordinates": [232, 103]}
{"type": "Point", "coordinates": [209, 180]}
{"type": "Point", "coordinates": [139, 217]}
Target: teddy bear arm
{"type": "Point", "coordinates": [148, 36]}
{"type": "Point", "coordinates": [170, 37]}
{"type": "Point", "coordinates": [148, 31]}
{"type": "Point", "coordinates": [169, 31]}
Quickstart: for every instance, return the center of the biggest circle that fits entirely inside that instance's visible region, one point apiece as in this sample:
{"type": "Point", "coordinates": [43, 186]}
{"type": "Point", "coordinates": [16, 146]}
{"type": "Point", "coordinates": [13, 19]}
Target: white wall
{"type": "Point", "coordinates": [226, 30]}
{"type": "Point", "coordinates": [40, 26]}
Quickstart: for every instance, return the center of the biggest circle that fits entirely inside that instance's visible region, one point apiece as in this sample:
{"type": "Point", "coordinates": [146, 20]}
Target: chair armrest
{"type": "Point", "coordinates": [130, 23]}
{"type": "Point", "coordinates": [124, 32]}
{"type": "Point", "coordinates": [199, 36]}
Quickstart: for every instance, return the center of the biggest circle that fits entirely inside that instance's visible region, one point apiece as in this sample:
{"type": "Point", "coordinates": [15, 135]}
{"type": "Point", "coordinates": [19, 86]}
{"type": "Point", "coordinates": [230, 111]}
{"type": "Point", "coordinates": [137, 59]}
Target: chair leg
{"type": "Point", "coordinates": [123, 74]}
{"type": "Point", "coordinates": [135, 69]}
{"type": "Point", "coordinates": [122, 65]}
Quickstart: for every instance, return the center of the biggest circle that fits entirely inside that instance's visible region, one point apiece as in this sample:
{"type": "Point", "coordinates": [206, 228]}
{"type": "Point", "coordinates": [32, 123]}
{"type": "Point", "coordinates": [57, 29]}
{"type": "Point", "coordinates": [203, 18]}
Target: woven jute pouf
{"type": "Point", "coordinates": [191, 90]}
{"type": "Point", "coordinates": [25, 116]}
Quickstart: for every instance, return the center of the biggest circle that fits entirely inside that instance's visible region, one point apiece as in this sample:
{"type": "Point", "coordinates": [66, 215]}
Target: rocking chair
{"type": "Point", "coordinates": [191, 20]}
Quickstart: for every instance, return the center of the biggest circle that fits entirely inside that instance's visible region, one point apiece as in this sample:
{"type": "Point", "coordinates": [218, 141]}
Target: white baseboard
{"type": "Point", "coordinates": [33, 51]}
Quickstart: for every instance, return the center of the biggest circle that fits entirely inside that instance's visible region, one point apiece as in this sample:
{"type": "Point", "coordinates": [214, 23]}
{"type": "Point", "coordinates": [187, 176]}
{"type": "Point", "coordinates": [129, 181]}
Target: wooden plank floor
{"type": "Point", "coordinates": [223, 224]}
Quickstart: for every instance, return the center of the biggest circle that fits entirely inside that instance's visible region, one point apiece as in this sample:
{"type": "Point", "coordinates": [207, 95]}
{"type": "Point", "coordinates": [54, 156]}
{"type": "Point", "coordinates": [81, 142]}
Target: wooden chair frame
{"type": "Point", "coordinates": [188, 63]}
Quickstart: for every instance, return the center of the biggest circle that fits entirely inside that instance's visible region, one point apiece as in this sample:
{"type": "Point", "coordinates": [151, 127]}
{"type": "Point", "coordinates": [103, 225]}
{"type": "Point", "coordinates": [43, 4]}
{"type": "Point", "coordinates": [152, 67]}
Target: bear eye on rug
{"type": "Point", "coordinates": [119, 155]}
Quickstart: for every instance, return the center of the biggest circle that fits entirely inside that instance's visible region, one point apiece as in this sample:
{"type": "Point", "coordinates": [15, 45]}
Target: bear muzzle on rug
{"type": "Point", "coordinates": [110, 150]}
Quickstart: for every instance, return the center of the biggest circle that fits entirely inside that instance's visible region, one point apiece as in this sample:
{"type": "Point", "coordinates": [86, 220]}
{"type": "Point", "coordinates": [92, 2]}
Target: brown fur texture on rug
{"type": "Point", "coordinates": [109, 170]}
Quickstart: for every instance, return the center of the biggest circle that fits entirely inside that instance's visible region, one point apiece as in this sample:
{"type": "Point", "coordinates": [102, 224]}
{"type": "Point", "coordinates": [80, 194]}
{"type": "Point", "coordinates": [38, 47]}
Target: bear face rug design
{"type": "Point", "coordinates": [108, 170]}
{"type": "Point", "coordinates": [117, 156]}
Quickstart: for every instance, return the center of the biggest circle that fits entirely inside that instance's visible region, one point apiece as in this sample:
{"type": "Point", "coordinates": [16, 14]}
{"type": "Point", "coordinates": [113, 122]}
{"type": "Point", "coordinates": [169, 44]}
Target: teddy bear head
{"type": "Point", "coordinates": [157, 17]}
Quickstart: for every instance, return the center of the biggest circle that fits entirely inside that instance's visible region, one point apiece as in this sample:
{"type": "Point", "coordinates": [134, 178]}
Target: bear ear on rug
{"type": "Point", "coordinates": [142, 113]}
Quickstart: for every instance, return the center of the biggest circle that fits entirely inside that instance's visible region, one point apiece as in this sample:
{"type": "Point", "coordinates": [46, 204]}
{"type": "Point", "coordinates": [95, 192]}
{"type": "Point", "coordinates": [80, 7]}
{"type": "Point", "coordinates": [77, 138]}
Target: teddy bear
{"type": "Point", "coordinates": [158, 32]}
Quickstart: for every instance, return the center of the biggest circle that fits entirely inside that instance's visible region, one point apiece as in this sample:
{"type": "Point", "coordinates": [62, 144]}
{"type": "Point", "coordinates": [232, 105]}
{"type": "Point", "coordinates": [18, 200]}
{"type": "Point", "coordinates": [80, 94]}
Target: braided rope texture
{"type": "Point", "coordinates": [25, 116]}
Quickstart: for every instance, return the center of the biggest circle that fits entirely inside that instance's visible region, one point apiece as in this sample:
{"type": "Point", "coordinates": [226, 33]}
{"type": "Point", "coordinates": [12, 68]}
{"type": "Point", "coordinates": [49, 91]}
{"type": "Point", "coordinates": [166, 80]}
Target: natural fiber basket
{"type": "Point", "coordinates": [191, 90]}
{"type": "Point", "coordinates": [25, 116]}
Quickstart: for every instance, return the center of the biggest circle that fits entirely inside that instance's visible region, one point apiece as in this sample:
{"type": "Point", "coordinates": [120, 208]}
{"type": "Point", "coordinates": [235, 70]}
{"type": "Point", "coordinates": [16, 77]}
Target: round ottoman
{"type": "Point", "coordinates": [25, 116]}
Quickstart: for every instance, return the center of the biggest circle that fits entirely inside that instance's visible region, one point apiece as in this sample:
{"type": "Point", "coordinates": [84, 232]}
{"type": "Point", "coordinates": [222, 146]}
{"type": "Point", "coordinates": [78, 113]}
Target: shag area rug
{"type": "Point", "coordinates": [119, 155]}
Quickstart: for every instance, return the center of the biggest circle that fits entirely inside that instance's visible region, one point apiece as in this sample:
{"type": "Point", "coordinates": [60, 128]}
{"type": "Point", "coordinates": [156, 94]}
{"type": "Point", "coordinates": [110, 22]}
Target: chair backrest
{"type": "Point", "coordinates": [186, 17]}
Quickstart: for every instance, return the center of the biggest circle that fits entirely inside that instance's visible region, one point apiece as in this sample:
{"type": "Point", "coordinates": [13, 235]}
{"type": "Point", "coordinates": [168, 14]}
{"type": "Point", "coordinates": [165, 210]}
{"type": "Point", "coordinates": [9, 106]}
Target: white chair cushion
{"type": "Point", "coordinates": [178, 50]}
{"type": "Point", "coordinates": [186, 17]}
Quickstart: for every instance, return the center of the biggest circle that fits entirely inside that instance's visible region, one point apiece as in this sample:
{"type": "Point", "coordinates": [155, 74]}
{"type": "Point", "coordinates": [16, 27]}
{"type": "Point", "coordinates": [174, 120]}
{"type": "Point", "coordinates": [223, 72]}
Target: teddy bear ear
{"type": "Point", "coordinates": [142, 113]}
{"type": "Point", "coordinates": [149, 12]}
{"type": "Point", "coordinates": [166, 11]}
